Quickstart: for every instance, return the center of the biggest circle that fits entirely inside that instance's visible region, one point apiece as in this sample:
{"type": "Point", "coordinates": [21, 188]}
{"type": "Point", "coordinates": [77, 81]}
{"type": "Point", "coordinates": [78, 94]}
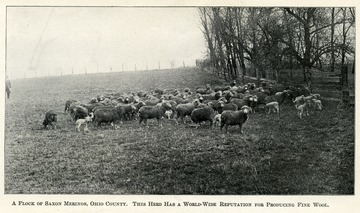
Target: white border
{"type": "Point", "coordinates": [347, 203]}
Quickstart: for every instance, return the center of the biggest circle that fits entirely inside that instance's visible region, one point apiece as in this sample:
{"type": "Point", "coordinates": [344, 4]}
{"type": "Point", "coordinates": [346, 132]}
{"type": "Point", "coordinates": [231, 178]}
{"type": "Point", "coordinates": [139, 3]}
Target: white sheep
{"type": "Point", "coordinates": [273, 107]}
{"type": "Point", "coordinates": [316, 104]}
{"type": "Point", "coordinates": [80, 122]}
{"type": "Point", "coordinates": [303, 109]}
{"type": "Point", "coordinates": [217, 120]}
{"type": "Point", "coordinates": [168, 114]}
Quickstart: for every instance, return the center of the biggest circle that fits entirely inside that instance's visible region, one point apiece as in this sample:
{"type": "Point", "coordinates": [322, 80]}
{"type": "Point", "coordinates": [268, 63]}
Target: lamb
{"type": "Point", "coordinates": [303, 98]}
{"type": "Point", "coordinates": [67, 105]}
{"type": "Point", "coordinates": [168, 114]}
{"type": "Point", "coordinates": [150, 112]}
{"type": "Point", "coordinates": [316, 104]}
{"type": "Point", "coordinates": [217, 120]}
{"type": "Point", "coordinates": [85, 120]}
{"type": "Point", "coordinates": [316, 96]}
{"type": "Point", "coordinates": [273, 107]}
{"type": "Point", "coordinates": [203, 114]}
{"type": "Point", "coordinates": [50, 119]}
{"type": "Point", "coordinates": [303, 109]}
{"type": "Point", "coordinates": [183, 110]}
{"type": "Point", "coordinates": [231, 118]}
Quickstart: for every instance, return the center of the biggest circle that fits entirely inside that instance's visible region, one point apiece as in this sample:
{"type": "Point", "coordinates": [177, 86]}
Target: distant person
{"type": "Point", "coordinates": [8, 86]}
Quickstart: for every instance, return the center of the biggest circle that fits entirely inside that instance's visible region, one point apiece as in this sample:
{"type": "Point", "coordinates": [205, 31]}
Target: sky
{"type": "Point", "coordinates": [43, 41]}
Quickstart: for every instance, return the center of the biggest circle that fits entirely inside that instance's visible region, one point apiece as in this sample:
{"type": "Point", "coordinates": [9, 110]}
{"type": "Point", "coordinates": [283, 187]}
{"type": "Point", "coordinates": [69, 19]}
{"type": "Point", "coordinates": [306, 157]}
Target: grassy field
{"type": "Point", "coordinates": [276, 155]}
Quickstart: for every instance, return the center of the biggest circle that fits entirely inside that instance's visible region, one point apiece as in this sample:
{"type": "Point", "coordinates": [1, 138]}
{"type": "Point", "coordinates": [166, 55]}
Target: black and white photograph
{"type": "Point", "coordinates": [179, 100]}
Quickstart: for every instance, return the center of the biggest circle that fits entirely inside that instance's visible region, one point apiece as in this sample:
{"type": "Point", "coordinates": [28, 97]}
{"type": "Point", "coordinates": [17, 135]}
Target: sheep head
{"type": "Point", "coordinates": [246, 109]}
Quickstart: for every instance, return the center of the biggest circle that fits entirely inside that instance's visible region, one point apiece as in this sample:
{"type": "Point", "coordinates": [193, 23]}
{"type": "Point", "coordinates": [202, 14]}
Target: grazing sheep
{"type": "Point", "coordinates": [107, 115]}
{"type": "Point", "coordinates": [80, 122]}
{"type": "Point", "coordinates": [150, 112]}
{"type": "Point", "coordinates": [50, 119]}
{"type": "Point", "coordinates": [295, 91]}
{"type": "Point", "coordinates": [261, 98]}
{"type": "Point", "coordinates": [203, 91]}
{"type": "Point", "coordinates": [277, 88]}
{"type": "Point", "coordinates": [142, 94]}
{"type": "Point", "coordinates": [72, 107]}
{"type": "Point", "coordinates": [278, 97]}
{"type": "Point", "coordinates": [90, 107]}
{"type": "Point", "coordinates": [228, 106]}
{"type": "Point", "coordinates": [231, 118]}
{"type": "Point", "coordinates": [216, 104]}
{"type": "Point", "coordinates": [79, 112]}
{"type": "Point", "coordinates": [153, 101]}
{"type": "Point", "coordinates": [183, 110]}
{"type": "Point", "coordinates": [126, 111]}
{"type": "Point", "coordinates": [93, 100]}
{"type": "Point", "coordinates": [273, 107]}
{"type": "Point", "coordinates": [228, 95]}
{"type": "Point", "coordinates": [239, 89]}
{"type": "Point", "coordinates": [221, 88]}
{"type": "Point", "coordinates": [203, 114]}
{"type": "Point", "coordinates": [100, 98]}
{"type": "Point", "coordinates": [187, 90]}
{"type": "Point", "coordinates": [251, 86]}
{"type": "Point", "coordinates": [249, 100]}
{"type": "Point", "coordinates": [239, 95]}
{"type": "Point", "coordinates": [67, 105]}
{"type": "Point", "coordinates": [159, 91]}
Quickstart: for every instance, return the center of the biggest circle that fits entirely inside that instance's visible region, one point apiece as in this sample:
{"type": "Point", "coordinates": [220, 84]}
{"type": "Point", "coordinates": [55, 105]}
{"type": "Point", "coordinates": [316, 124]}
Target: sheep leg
{"type": "Point", "coordinates": [240, 125]}
{"type": "Point", "coordinates": [145, 122]}
{"type": "Point", "coordinates": [159, 124]}
{"type": "Point", "coordinates": [86, 128]}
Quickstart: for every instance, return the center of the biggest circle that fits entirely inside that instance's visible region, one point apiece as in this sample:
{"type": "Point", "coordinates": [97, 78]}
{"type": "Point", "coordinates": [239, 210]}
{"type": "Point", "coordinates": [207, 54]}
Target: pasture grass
{"type": "Point", "coordinates": [276, 155]}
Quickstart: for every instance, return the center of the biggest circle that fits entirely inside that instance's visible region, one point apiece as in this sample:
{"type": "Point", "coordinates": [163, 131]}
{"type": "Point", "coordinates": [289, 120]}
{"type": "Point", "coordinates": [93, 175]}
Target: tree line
{"type": "Point", "coordinates": [260, 42]}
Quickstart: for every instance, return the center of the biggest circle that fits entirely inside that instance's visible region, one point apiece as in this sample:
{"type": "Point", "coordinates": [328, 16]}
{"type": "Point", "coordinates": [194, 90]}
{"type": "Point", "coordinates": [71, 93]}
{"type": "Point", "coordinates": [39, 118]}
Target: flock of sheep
{"type": "Point", "coordinates": [220, 105]}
